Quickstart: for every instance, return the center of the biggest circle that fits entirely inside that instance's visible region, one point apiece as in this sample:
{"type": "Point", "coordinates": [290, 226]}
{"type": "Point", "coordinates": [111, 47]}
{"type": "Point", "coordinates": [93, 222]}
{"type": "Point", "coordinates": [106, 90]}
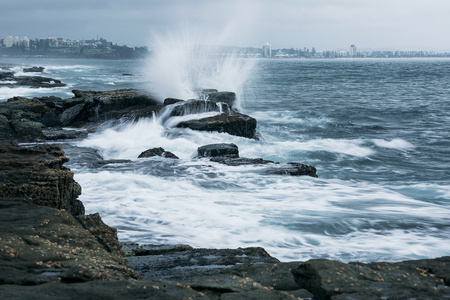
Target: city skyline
{"type": "Point", "coordinates": [324, 24]}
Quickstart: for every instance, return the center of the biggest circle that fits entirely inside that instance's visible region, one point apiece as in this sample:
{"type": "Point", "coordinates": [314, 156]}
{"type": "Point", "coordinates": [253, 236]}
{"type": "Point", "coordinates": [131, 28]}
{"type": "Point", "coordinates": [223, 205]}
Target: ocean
{"type": "Point", "coordinates": [377, 130]}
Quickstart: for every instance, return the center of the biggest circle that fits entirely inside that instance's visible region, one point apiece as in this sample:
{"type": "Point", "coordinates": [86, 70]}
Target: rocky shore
{"type": "Point", "coordinates": [49, 248]}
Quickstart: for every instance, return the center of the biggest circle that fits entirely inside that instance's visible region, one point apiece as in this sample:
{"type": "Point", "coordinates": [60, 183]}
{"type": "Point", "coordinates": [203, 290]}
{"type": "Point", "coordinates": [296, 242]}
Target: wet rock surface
{"type": "Point", "coordinates": [157, 152]}
{"type": "Point", "coordinates": [421, 279]}
{"type": "Point", "coordinates": [9, 79]}
{"type": "Point", "coordinates": [228, 154]}
{"type": "Point", "coordinates": [235, 124]}
{"type": "Point", "coordinates": [218, 150]}
{"type": "Point", "coordinates": [37, 175]}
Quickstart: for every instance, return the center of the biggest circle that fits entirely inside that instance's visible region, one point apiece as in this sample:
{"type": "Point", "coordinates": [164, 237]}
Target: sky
{"type": "Point", "coordinates": [323, 24]}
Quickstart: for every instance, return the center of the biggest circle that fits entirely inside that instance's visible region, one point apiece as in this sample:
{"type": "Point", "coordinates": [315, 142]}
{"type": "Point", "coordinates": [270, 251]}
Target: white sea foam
{"type": "Point", "coordinates": [393, 144]}
{"type": "Point", "coordinates": [254, 211]}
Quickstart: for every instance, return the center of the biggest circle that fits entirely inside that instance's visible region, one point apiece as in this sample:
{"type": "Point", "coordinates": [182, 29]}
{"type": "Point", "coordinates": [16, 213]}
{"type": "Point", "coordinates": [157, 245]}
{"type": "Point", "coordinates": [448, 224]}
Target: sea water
{"type": "Point", "coordinates": [377, 130]}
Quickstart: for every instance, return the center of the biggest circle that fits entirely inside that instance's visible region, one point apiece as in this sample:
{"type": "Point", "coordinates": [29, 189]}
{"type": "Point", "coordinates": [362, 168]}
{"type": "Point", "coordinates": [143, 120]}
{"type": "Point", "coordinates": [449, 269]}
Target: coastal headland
{"type": "Point", "coordinates": [50, 249]}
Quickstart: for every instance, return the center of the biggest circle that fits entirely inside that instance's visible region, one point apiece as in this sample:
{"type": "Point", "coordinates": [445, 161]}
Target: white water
{"type": "Point", "coordinates": [205, 204]}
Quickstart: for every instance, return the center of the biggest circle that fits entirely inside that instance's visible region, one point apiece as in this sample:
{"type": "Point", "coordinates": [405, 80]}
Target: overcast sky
{"type": "Point", "coordinates": [323, 24]}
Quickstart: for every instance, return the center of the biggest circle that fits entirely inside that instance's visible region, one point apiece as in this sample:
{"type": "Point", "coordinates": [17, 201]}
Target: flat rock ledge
{"type": "Point", "coordinates": [228, 154]}
{"type": "Point", "coordinates": [49, 251]}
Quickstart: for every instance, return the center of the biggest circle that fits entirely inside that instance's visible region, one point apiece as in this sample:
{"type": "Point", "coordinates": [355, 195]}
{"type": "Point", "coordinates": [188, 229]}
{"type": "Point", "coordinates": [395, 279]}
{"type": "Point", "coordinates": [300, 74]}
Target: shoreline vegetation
{"type": "Point", "coordinates": [50, 249]}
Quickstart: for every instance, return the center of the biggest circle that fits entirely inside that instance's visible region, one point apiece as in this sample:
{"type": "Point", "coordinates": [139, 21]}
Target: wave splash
{"type": "Point", "coordinates": [182, 64]}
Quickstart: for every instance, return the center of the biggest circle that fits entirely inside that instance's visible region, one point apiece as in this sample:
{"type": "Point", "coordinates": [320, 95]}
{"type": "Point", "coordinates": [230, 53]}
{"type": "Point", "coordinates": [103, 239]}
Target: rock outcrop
{"type": "Point", "coordinates": [37, 175]}
{"type": "Point", "coordinates": [157, 152]}
{"type": "Point", "coordinates": [228, 154]}
{"type": "Point", "coordinates": [34, 69]}
{"type": "Point", "coordinates": [234, 124]}
{"type": "Point", "coordinates": [10, 80]}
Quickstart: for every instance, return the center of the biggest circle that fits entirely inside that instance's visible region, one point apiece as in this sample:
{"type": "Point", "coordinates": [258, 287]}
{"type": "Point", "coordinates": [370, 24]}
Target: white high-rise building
{"type": "Point", "coordinates": [267, 50]}
{"type": "Point", "coordinates": [353, 51]}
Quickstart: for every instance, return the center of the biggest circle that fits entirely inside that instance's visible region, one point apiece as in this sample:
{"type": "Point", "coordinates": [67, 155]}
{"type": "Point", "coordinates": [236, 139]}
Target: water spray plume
{"type": "Point", "coordinates": [182, 64]}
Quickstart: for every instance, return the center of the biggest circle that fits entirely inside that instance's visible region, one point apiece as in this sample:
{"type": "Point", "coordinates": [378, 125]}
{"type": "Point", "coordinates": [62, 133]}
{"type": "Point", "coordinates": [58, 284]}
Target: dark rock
{"type": "Point", "coordinates": [34, 69]}
{"type": "Point", "coordinates": [236, 124]}
{"type": "Point", "coordinates": [169, 101]}
{"type": "Point", "coordinates": [7, 76]}
{"type": "Point", "coordinates": [336, 280]}
{"type": "Point", "coordinates": [37, 82]}
{"type": "Point", "coordinates": [25, 117]}
{"type": "Point", "coordinates": [100, 106]}
{"type": "Point", "coordinates": [224, 97]}
{"type": "Point", "coordinates": [112, 290]}
{"type": "Point", "coordinates": [40, 244]}
{"type": "Point", "coordinates": [228, 154]}
{"type": "Point", "coordinates": [71, 114]}
{"type": "Point", "coordinates": [36, 174]}
{"type": "Point", "coordinates": [222, 150]}
{"type": "Point", "coordinates": [192, 106]}
{"type": "Point", "coordinates": [116, 99]}
{"type": "Point", "coordinates": [293, 169]}
{"type": "Point", "coordinates": [242, 161]}
{"type": "Point", "coordinates": [157, 152]}
{"type": "Point", "coordinates": [63, 134]}
{"type": "Point", "coordinates": [134, 249]}
{"type": "Point", "coordinates": [27, 131]}
{"type": "Point", "coordinates": [184, 263]}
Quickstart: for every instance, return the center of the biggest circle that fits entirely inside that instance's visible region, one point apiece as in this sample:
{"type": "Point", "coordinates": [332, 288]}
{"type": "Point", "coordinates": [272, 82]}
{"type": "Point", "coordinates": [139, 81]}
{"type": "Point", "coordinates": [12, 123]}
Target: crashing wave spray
{"type": "Point", "coordinates": [182, 64]}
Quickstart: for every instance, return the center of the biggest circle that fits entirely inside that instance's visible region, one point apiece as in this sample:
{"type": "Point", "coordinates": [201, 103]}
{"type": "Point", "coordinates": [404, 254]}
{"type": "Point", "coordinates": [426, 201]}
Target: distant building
{"type": "Point", "coordinates": [353, 51]}
{"type": "Point", "coordinates": [267, 50]}
{"type": "Point", "coordinates": [8, 41]}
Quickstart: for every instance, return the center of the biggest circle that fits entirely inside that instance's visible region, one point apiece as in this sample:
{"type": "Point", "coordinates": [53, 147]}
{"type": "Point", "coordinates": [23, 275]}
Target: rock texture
{"type": "Point", "coordinates": [235, 124]}
{"type": "Point", "coordinates": [218, 150]}
{"type": "Point", "coordinates": [37, 175]}
{"type": "Point", "coordinates": [157, 152]}
{"type": "Point", "coordinates": [10, 80]}
{"type": "Point", "coordinates": [422, 279]}
{"type": "Point", "coordinates": [228, 154]}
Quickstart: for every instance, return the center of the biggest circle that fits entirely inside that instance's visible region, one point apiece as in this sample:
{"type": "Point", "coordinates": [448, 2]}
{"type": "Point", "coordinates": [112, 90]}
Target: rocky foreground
{"type": "Point", "coordinates": [49, 249]}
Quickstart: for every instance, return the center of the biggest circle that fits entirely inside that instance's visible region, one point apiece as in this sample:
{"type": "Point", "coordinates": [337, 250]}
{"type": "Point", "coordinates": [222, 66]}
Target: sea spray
{"type": "Point", "coordinates": [183, 64]}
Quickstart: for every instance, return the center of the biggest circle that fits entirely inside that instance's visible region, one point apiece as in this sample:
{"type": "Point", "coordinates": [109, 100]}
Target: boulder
{"type": "Point", "coordinates": [221, 150]}
{"type": "Point", "coordinates": [169, 101]}
{"type": "Point", "coordinates": [236, 124]}
{"type": "Point", "coordinates": [223, 97]}
{"type": "Point", "coordinates": [157, 152]}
